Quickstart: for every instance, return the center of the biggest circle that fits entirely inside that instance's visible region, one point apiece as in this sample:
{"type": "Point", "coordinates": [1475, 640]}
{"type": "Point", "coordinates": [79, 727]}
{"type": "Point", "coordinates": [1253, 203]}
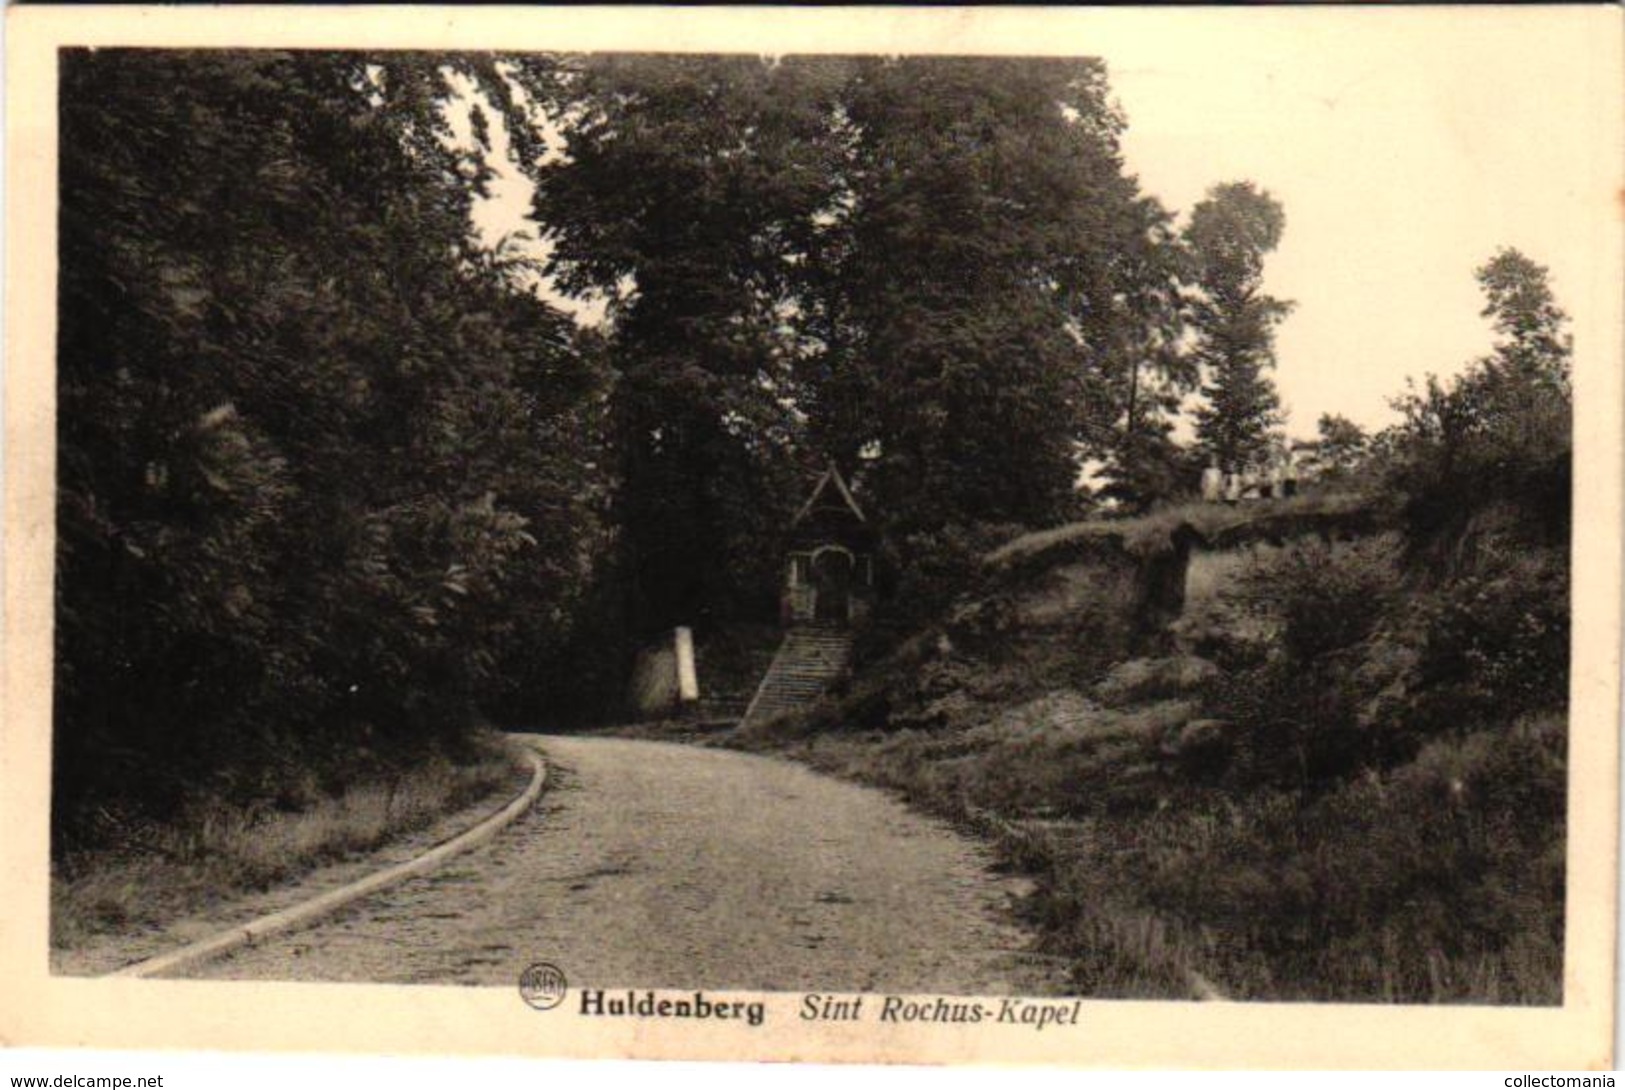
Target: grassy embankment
{"type": "Point", "coordinates": [1329, 779]}
{"type": "Point", "coordinates": [153, 873]}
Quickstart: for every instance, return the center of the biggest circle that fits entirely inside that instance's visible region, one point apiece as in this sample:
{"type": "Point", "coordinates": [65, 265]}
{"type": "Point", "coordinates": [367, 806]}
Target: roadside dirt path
{"type": "Point", "coordinates": [657, 865]}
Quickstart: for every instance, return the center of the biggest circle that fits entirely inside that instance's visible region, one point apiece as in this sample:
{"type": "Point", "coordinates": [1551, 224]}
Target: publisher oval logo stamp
{"type": "Point", "coordinates": [542, 985]}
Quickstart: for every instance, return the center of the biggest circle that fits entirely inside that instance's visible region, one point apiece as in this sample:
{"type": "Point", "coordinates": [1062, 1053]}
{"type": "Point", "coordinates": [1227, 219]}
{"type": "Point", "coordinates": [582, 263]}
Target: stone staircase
{"type": "Point", "coordinates": [809, 661]}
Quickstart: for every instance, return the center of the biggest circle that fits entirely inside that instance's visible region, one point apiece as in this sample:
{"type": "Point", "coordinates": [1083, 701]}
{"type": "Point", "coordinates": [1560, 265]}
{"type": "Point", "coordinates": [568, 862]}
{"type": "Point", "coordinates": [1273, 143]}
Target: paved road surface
{"type": "Point", "coordinates": [657, 865]}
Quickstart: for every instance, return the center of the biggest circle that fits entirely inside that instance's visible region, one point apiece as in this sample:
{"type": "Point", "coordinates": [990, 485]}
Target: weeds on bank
{"type": "Point", "coordinates": [1437, 879]}
{"type": "Point", "coordinates": [157, 873]}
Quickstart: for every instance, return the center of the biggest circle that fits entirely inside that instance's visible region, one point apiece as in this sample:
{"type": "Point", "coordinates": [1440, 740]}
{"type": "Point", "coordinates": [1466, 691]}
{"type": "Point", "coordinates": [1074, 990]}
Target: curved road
{"type": "Point", "coordinates": [656, 865]}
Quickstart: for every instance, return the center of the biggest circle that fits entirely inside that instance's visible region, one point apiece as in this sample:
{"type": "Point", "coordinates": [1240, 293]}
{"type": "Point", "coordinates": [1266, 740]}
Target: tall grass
{"type": "Point", "coordinates": [1438, 880]}
{"type": "Point", "coordinates": [156, 873]}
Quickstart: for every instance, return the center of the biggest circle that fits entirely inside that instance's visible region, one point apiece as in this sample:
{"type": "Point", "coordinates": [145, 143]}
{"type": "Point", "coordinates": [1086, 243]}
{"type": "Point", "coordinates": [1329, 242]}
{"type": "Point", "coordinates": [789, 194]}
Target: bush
{"type": "Point", "coordinates": [1495, 642]}
{"type": "Point", "coordinates": [1373, 663]}
{"type": "Point", "coordinates": [922, 574]}
{"type": "Point", "coordinates": [1327, 598]}
{"type": "Point", "coordinates": [1295, 716]}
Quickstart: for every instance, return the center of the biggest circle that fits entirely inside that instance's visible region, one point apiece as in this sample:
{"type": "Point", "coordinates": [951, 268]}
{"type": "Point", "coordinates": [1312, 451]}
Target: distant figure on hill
{"type": "Point", "coordinates": [1250, 482]}
{"type": "Point", "coordinates": [1212, 482]}
{"type": "Point", "coordinates": [1232, 487]}
{"type": "Point", "coordinates": [1277, 476]}
{"type": "Point", "coordinates": [1289, 473]}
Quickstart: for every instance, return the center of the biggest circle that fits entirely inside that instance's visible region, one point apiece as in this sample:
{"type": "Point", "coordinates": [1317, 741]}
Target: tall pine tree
{"type": "Point", "coordinates": [1234, 320]}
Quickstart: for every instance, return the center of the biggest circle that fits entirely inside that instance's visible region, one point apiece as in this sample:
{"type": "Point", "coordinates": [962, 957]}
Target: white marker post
{"type": "Point", "coordinates": [688, 682]}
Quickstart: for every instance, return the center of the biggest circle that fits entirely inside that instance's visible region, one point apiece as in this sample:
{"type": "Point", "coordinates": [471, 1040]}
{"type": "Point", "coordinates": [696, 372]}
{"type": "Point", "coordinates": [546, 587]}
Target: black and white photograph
{"type": "Point", "coordinates": [834, 537]}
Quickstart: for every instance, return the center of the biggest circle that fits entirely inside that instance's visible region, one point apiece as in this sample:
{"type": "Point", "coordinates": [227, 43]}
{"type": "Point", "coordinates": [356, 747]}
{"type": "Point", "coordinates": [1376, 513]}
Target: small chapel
{"type": "Point", "coordinates": [829, 577]}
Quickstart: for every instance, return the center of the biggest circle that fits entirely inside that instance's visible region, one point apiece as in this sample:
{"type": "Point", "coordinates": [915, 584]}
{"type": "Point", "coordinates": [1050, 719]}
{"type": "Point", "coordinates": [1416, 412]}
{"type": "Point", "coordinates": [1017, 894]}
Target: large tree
{"type": "Point", "coordinates": [1140, 371]}
{"type": "Point", "coordinates": [1342, 442]}
{"type": "Point", "coordinates": [1234, 319]}
{"type": "Point", "coordinates": [975, 290]}
{"type": "Point", "coordinates": [1534, 341]}
{"type": "Point", "coordinates": [686, 194]}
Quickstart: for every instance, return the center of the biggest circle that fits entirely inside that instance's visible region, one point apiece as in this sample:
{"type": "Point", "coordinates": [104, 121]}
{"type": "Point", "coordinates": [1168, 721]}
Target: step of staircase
{"type": "Point", "coordinates": [808, 661]}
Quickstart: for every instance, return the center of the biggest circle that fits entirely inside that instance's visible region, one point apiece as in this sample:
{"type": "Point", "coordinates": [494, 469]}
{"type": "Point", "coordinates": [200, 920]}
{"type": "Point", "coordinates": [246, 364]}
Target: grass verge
{"type": "Point", "coordinates": [158, 873]}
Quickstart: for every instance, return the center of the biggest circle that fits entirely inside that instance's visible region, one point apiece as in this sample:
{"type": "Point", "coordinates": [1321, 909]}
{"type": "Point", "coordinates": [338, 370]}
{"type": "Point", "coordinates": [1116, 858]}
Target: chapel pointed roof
{"type": "Point", "coordinates": [830, 479]}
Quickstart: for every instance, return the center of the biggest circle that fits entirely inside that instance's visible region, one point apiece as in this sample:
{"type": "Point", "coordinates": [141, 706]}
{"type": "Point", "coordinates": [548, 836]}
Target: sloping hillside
{"type": "Point", "coordinates": [1249, 748]}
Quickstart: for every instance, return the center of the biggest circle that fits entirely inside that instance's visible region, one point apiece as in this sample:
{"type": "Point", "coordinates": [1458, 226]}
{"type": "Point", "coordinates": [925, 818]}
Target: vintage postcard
{"type": "Point", "coordinates": [1048, 536]}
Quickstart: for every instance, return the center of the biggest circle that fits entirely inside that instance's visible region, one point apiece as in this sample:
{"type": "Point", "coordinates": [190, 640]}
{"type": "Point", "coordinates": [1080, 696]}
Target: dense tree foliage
{"type": "Point", "coordinates": [933, 271]}
{"type": "Point", "coordinates": [312, 450]}
{"type": "Point", "coordinates": [1234, 320]}
{"type": "Point", "coordinates": [988, 200]}
{"type": "Point", "coordinates": [1342, 441]}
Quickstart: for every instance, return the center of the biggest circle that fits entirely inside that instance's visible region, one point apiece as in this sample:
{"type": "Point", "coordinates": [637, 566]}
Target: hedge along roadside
{"type": "Point", "coordinates": [290, 918]}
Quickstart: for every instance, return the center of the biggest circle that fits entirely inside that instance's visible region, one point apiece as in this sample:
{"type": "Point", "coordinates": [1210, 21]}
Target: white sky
{"type": "Point", "coordinates": [1403, 161]}
{"type": "Point", "coordinates": [1406, 145]}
